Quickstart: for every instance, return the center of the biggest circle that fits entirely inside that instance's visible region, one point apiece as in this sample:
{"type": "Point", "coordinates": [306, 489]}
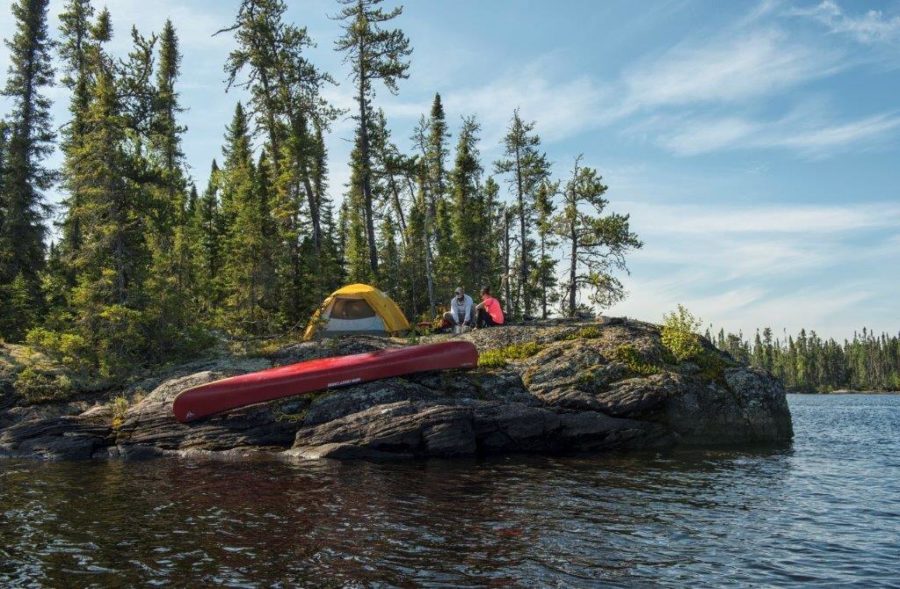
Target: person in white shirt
{"type": "Point", "coordinates": [461, 310]}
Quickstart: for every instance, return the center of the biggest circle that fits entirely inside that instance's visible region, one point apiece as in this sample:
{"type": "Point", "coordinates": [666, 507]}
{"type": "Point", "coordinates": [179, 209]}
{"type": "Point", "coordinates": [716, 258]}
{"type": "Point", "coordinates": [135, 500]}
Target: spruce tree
{"type": "Point", "coordinates": [110, 296]}
{"type": "Point", "coordinates": [75, 50]}
{"type": "Point", "coordinates": [244, 271]}
{"type": "Point", "coordinates": [166, 135]}
{"type": "Point", "coordinates": [435, 154]}
{"type": "Point", "coordinates": [22, 230]}
{"type": "Point", "coordinates": [469, 216]}
{"type": "Point", "coordinates": [389, 253]}
{"type": "Point", "coordinates": [208, 229]}
{"type": "Point", "coordinates": [527, 167]}
{"type": "Point", "coordinates": [374, 54]}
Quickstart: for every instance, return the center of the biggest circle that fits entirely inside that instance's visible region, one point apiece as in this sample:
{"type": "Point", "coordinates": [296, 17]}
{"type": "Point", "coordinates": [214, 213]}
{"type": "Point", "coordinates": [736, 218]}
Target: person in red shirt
{"type": "Point", "coordinates": [489, 311]}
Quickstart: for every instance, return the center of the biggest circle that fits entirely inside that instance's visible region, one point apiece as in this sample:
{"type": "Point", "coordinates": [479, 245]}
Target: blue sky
{"type": "Point", "coordinates": [755, 144]}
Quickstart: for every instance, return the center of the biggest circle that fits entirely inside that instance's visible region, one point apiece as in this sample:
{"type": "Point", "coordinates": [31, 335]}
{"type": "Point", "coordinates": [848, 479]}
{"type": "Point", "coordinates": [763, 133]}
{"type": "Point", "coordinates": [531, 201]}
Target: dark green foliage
{"type": "Point", "coordinates": [868, 362]}
{"type": "Point", "coordinates": [248, 273]}
{"type": "Point", "coordinates": [28, 141]}
{"type": "Point", "coordinates": [474, 256]}
{"type": "Point", "coordinates": [287, 106]}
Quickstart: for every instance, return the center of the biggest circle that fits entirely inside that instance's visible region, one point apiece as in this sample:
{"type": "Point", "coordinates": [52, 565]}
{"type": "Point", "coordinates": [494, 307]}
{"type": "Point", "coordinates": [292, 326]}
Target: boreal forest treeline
{"type": "Point", "coordinates": [138, 266]}
{"type": "Point", "coordinates": [806, 362]}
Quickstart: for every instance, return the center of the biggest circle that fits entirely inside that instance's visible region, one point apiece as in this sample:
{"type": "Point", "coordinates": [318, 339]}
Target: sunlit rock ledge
{"type": "Point", "coordinates": [552, 387]}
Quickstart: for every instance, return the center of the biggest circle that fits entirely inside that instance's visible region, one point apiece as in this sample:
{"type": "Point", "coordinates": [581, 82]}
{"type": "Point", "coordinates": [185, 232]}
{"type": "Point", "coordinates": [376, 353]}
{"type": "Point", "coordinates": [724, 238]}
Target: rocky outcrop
{"type": "Point", "coordinates": [558, 387]}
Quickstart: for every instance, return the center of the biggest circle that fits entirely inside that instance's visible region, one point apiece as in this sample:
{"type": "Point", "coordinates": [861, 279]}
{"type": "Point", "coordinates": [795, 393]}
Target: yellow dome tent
{"type": "Point", "coordinates": [356, 308]}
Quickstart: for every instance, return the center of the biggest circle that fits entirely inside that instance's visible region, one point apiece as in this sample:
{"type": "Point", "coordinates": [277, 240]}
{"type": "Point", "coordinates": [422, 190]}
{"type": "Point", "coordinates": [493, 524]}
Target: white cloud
{"type": "Point", "coordinates": [802, 131]}
{"type": "Point", "coordinates": [742, 268]}
{"type": "Point", "coordinates": [562, 108]}
{"type": "Point", "coordinates": [789, 219]}
{"type": "Point", "coordinates": [729, 69]}
{"type": "Point", "coordinates": [869, 27]}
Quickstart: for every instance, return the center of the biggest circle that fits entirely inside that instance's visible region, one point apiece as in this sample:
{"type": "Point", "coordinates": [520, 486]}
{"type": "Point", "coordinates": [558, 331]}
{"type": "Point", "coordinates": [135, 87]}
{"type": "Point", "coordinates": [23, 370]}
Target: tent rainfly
{"type": "Point", "coordinates": [354, 309]}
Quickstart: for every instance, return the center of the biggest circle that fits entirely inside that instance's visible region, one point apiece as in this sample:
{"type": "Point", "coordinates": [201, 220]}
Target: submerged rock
{"type": "Point", "coordinates": [555, 387]}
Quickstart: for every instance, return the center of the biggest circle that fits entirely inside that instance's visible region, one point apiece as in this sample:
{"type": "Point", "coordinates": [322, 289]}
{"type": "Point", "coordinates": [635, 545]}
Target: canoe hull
{"type": "Point", "coordinates": [316, 375]}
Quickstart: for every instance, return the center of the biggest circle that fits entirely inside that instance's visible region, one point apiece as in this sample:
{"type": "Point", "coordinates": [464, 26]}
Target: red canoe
{"type": "Point", "coordinates": [316, 375]}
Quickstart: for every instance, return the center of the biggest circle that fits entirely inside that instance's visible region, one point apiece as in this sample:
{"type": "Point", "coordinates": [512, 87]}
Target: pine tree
{"type": "Point", "coordinates": [427, 209]}
{"type": "Point", "coordinates": [597, 243]}
{"type": "Point", "coordinates": [330, 274]}
{"type": "Point", "coordinates": [528, 167]}
{"type": "Point", "coordinates": [491, 235]}
{"type": "Point", "coordinates": [22, 230]}
{"type": "Point", "coordinates": [375, 54]}
{"type": "Point", "coordinates": [394, 170]}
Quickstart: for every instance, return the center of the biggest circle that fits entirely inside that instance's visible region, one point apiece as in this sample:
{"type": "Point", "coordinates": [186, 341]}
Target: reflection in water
{"type": "Point", "coordinates": [824, 511]}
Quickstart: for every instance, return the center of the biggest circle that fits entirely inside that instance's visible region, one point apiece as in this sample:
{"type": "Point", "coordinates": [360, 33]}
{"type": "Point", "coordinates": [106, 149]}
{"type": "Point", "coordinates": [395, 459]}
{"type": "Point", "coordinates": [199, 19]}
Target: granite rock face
{"type": "Point", "coordinates": [577, 387]}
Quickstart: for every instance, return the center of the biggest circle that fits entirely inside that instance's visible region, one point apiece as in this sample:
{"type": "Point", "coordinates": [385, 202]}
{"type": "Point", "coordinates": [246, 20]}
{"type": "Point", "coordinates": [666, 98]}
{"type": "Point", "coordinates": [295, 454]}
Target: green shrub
{"type": "Point", "coordinates": [69, 349]}
{"type": "Point", "coordinates": [499, 357]}
{"type": "Point", "coordinates": [678, 334]}
{"type": "Point", "coordinates": [119, 406]}
{"type": "Point", "coordinates": [40, 386]}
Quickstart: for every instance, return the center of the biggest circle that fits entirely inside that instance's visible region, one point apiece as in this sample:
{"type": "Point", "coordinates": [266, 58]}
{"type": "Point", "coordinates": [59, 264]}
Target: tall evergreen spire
{"type": "Point", "coordinates": [22, 233]}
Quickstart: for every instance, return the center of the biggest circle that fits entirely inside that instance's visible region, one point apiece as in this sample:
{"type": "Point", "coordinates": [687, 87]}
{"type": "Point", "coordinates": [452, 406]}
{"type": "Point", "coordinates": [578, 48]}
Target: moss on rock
{"type": "Point", "coordinates": [498, 358]}
{"type": "Point", "coordinates": [628, 355]}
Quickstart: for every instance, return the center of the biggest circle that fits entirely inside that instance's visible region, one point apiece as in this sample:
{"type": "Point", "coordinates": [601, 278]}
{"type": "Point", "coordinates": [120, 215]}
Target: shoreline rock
{"type": "Point", "coordinates": [554, 387]}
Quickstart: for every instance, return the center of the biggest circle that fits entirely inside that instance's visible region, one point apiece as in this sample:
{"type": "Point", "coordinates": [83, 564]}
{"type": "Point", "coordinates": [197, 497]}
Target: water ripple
{"type": "Point", "coordinates": [822, 513]}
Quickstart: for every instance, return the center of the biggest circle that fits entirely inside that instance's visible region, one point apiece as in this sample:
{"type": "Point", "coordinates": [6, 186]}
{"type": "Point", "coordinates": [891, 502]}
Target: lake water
{"type": "Point", "coordinates": [826, 511]}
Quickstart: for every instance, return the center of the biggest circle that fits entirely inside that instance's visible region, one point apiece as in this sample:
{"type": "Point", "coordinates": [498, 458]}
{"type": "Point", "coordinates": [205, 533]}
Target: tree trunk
{"type": "Point", "coordinates": [573, 260]}
{"type": "Point", "coordinates": [429, 262]}
{"type": "Point", "coordinates": [506, 290]}
{"type": "Point", "coordinates": [543, 278]}
{"type": "Point", "coordinates": [524, 296]}
{"type": "Point", "coordinates": [395, 195]}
